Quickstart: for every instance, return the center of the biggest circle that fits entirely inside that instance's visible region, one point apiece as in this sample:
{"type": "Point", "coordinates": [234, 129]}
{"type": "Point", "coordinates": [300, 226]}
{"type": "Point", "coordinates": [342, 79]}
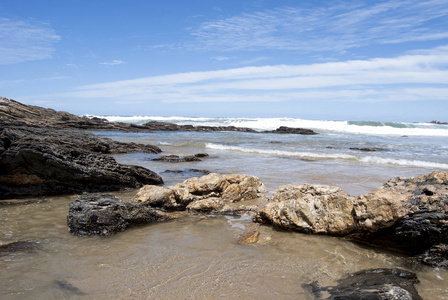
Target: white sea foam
{"type": "Point", "coordinates": [313, 155]}
{"type": "Point", "coordinates": [261, 124]}
{"type": "Point", "coordinates": [304, 154]}
{"type": "Point", "coordinates": [403, 162]}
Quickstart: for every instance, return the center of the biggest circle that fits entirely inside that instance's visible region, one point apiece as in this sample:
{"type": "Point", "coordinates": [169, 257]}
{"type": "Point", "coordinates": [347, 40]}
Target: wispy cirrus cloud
{"type": "Point", "coordinates": [334, 27]}
{"type": "Point", "coordinates": [420, 75]}
{"type": "Point", "coordinates": [113, 62]}
{"type": "Point", "coordinates": [25, 41]}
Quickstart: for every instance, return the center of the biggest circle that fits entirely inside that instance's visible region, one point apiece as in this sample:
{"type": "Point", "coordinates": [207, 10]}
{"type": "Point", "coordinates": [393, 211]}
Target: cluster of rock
{"type": "Point", "coordinates": [38, 161]}
{"type": "Point", "coordinates": [104, 214]}
{"type": "Point", "coordinates": [409, 215]}
{"type": "Point", "coordinates": [405, 214]}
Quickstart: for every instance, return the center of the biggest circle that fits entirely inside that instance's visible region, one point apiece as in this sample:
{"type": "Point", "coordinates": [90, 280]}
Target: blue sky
{"type": "Point", "coordinates": [338, 60]}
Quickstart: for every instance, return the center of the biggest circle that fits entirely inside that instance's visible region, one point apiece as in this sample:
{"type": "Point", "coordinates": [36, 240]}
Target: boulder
{"type": "Point", "coordinates": [105, 214]}
{"type": "Point", "coordinates": [308, 208]}
{"type": "Point", "coordinates": [38, 161]}
{"type": "Point", "coordinates": [373, 284]}
{"type": "Point", "coordinates": [207, 193]}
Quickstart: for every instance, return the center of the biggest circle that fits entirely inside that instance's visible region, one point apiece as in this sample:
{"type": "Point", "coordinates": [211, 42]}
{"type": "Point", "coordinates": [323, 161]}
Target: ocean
{"type": "Point", "coordinates": [355, 155]}
{"type": "Point", "coordinates": [197, 256]}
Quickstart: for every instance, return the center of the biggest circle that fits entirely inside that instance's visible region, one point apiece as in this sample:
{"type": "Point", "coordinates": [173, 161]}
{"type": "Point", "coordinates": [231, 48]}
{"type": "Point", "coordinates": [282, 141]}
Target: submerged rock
{"type": "Point", "coordinates": [68, 288]}
{"type": "Point", "coordinates": [373, 284]}
{"type": "Point", "coordinates": [19, 246]}
{"type": "Point", "coordinates": [37, 161]}
{"type": "Point", "coordinates": [104, 214]}
{"type": "Point", "coordinates": [212, 192]}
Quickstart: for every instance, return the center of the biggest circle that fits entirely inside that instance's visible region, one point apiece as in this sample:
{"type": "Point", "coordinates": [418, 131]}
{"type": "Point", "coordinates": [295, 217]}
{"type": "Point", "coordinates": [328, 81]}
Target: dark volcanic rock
{"type": "Point", "coordinates": [104, 214]}
{"type": "Point", "coordinates": [366, 149]}
{"type": "Point", "coordinates": [176, 158]}
{"type": "Point", "coordinates": [284, 129]}
{"type": "Point", "coordinates": [413, 234]}
{"type": "Point", "coordinates": [374, 284]}
{"type": "Point", "coordinates": [192, 171]}
{"type": "Point", "coordinates": [436, 256]}
{"type": "Point", "coordinates": [37, 161]}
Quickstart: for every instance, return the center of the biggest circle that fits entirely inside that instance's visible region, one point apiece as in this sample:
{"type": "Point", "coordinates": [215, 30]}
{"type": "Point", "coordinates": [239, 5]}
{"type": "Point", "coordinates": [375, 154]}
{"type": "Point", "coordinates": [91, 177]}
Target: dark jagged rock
{"type": "Point", "coordinates": [436, 256]}
{"type": "Point", "coordinates": [105, 214]}
{"type": "Point", "coordinates": [284, 129]}
{"type": "Point", "coordinates": [366, 149]}
{"type": "Point", "coordinates": [203, 172]}
{"type": "Point", "coordinates": [374, 284]}
{"type": "Point", "coordinates": [38, 161]}
{"type": "Point", "coordinates": [412, 235]}
{"type": "Point", "coordinates": [177, 159]}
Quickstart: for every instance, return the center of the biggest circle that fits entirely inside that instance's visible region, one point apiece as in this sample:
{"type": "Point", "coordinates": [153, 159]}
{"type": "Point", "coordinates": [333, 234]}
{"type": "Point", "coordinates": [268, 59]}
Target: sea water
{"type": "Point", "coordinates": [197, 256]}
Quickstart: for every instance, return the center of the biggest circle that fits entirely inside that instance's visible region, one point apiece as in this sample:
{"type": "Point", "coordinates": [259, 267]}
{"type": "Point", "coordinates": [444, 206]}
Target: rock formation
{"type": "Point", "coordinates": [18, 114]}
{"type": "Point", "coordinates": [104, 214]}
{"type": "Point", "coordinates": [212, 192]}
{"type": "Point", "coordinates": [38, 161]}
{"type": "Point", "coordinates": [15, 113]}
{"type": "Point", "coordinates": [308, 208]}
{"type": "Point", "coordinates": [409, 215]}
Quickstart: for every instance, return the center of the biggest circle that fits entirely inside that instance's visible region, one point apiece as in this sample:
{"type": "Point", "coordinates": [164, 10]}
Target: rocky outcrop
{"type": "Point", "coordinates": [212, 192]}
{"type": "Point", "coordinates": [289, 130]}
{"type": "Point", "coordinates": [15, 113]}
{"type": "Point", "coordinates": [164, 126]}
{"type": "Point", "coordinates": [373, 284]}
{"type": "Point", "coordinates": [308, 208]}
{"type": "Point", "coordinates": [409, 215]}
{"type": "Point", "coordinates": [105, 214]}
{"type": "Point", "coordinates": [37, 161]}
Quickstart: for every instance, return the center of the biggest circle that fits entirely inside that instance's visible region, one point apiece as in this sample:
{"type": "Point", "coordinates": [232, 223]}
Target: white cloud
{"type": "Point", "coordinates": [25, 41]}
{"type": "Point", "coordinates": [333, 27]}
{"type": "Point", "coordinates": [112, 63]}
{"type": "Point", "coordinates": [422, 75]}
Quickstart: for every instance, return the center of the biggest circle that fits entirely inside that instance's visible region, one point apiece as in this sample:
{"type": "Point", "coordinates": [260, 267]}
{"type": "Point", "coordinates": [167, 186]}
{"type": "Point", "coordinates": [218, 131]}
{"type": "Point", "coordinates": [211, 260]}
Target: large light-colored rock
{"type": "Point", "coordinates": [207, 193]}
{"type": "Point", "coordinates": [310, 208]}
